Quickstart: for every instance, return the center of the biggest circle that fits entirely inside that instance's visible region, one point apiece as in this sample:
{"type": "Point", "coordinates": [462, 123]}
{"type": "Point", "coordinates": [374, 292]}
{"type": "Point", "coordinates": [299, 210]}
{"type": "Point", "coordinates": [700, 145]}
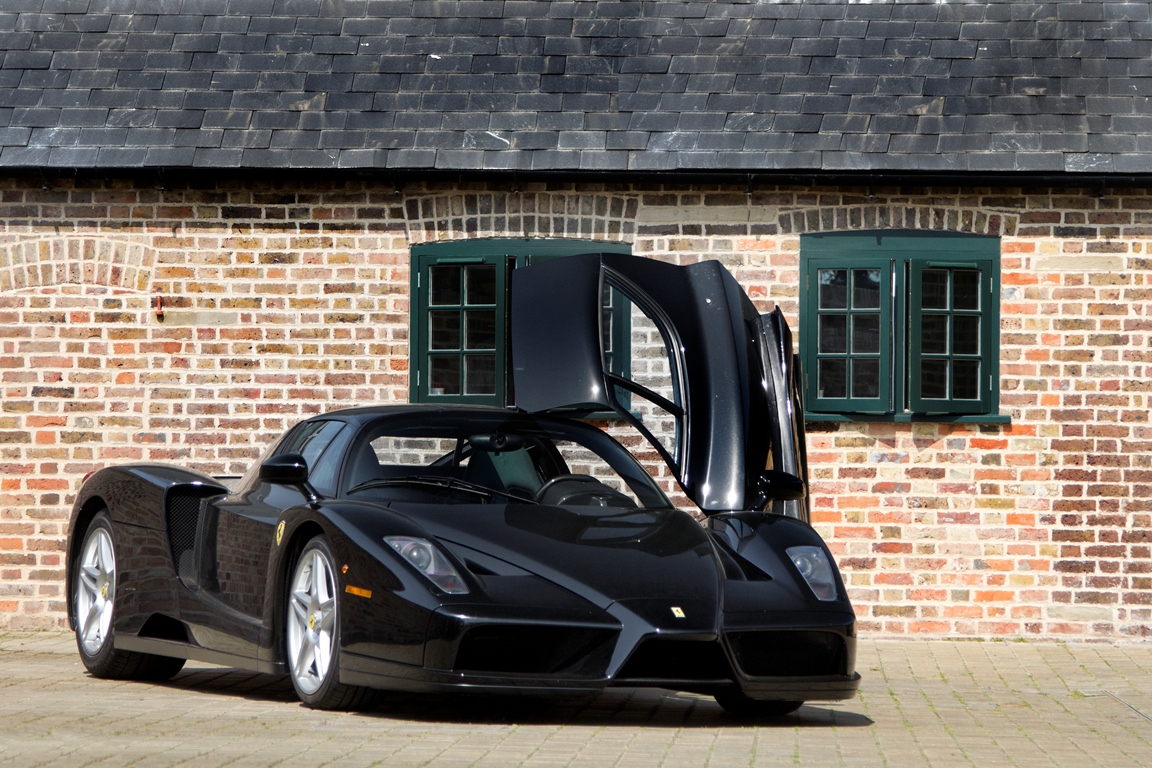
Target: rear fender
{"type": "Point", "coordinates": [135, 498]}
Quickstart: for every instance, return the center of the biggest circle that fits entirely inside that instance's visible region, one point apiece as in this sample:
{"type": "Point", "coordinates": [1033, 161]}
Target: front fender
{"type": "Point", "coordinates": [761, 540]}
{"type": "Point", "coordinates": [385, 604]}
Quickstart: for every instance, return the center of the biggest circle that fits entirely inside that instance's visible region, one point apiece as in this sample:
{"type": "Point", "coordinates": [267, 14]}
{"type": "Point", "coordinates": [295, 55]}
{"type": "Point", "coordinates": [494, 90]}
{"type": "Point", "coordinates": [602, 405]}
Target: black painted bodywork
{"type": "Point", "coordinates": [561, 597]}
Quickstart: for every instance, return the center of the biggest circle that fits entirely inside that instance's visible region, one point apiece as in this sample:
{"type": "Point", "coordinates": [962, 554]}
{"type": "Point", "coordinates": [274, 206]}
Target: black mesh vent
{"type": "Point", "coordinates": [527, 649]}
{"type": "Point", "coordinates": [183, 514]}
{"type": "Point", "coordinates": [667, 659]}
{"type": "Point", "coordinates": [789, 653]}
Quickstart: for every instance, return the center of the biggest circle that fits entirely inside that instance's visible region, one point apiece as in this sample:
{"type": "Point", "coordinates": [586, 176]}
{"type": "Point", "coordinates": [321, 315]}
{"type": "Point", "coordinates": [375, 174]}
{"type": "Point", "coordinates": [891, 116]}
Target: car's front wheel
{"type": "Point", "coordinates": [94, 602]}
{"type": "Point", "coordinates": [737, 703]}
{"type": "Point", "coordinates": [312, 632]}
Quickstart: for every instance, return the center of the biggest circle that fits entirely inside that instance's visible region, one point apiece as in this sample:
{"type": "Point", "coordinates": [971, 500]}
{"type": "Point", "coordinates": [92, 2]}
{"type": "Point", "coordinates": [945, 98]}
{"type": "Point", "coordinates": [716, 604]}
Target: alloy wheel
{"type": "Point", "coordinates": [311, 620]}
{"type": "Point", "coordinates": [95, 590]}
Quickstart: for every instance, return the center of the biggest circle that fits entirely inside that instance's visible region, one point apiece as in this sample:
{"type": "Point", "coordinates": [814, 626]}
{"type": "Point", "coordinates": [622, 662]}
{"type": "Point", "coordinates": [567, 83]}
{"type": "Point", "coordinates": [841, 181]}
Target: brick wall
{"type": "Point", "coordinates": [281, 300]}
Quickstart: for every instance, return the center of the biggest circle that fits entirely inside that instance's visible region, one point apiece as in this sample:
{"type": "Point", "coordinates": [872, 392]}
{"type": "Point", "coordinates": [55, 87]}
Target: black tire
{"type": "Point", "coordinates": [318, 688]}
{"type": "Point", "coordinates": [735, 702]}
{"type": "Point", "coordinates": [97, 650]}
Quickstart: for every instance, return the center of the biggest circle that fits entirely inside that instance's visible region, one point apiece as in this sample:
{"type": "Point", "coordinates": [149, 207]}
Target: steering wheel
{"type": "Point", "coordinates": [581, 490]}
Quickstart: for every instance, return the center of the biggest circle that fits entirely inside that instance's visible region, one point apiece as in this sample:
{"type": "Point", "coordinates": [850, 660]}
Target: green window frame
{"type": "Point", "coordinates": [459, 318]}
{"type": "Point", "coordinates": [900, 325]}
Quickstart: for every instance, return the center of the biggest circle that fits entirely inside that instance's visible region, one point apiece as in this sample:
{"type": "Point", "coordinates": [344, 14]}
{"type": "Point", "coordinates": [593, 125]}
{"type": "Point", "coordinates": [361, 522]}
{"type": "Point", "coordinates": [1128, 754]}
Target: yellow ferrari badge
{"type": "Point", "coordinates": [279, 532]}
{"type": "Point", "coordinates": [677, 611]}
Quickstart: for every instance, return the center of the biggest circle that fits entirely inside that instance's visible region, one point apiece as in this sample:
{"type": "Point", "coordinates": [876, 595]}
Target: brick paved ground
{"type": "Point", "coordinates": [933, 703]}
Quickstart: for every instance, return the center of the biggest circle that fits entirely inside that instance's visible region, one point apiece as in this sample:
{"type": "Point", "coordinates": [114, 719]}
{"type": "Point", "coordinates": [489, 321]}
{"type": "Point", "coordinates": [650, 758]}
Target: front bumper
{"type": "Point", "coordinates": [802, 658]}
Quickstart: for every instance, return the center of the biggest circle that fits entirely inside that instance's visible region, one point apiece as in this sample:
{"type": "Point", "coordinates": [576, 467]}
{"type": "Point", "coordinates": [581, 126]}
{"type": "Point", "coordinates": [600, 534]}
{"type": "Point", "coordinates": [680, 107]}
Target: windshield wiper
{"type": "Point", "coordinates": [438, 482]}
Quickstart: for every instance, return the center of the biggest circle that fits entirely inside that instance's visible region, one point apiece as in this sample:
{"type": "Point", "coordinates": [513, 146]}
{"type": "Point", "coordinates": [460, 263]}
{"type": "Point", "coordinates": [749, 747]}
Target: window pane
{"type": "Point", "coordinates": [865, 334]}
{"type": "Point", "coordinates": [934, 334]}
{"type": "Point", "coordinates": [606, 330]}
{"type": "Point", "coordinates": [480, 328]}
{"type": "Point", "coordinates": [833, 334]}
{"type": "Point", "coordinates": [482, 284]}
{"type": "Point", "coordinates": [652, 365]}
{"type": "Point", "coordinates": [866, 289]}
{"type": "Point", "coordinates": [866, 378]}
{"type": "Point", "coordinates": [444, 375]}
{"type": "Point", "coordinates": [319, 441]}
{"type": "Point", "coordinates": [966, 379]}
{"type": "Point", "coordinates": [445, 329]}
{"type": "Point", "coordinates": [833, 288]}
{"type": "Point", "coordinates": [445, 285]}
{"type": "Point", "coordinates": [934, 379]}
{"type": "Point", "coordinates": [480, 375]}
{"type": "Point", "coordinates": [965, 289]}
{"type": "Point", "coordinates": [833, 379]}
{"type": "Point", "coordinates": [934, 289]}
{"type": "Point", "coordinates": [967, 334]}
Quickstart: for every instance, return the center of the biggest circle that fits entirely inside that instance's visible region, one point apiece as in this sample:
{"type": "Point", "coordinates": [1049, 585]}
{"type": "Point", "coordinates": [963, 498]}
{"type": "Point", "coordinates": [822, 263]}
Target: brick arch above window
{"type": "Point", "coordinates": [43, 262]}
{"type": "Point", "coordinates": [490, 214]}
{"type": "Point", "coordinates": [878, 214]}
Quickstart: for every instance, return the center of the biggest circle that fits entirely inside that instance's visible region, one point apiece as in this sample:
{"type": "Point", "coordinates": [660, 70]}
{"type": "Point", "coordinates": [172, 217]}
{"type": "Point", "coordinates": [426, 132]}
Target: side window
{"type": "Point", "coordinates": [311, 440]}
{"type": "Point", "coordinates": [900, 324]}
{"type": "Point", "coordinates": [322, 475]}
{"type": "Point", "coordinates": [650, 388]}
{"type": "Point", "coordinates": [460, 330]}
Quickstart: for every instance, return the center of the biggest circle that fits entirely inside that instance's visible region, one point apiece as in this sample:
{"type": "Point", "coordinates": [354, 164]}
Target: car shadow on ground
{"type": "Point", "coordinates": [650, 707]}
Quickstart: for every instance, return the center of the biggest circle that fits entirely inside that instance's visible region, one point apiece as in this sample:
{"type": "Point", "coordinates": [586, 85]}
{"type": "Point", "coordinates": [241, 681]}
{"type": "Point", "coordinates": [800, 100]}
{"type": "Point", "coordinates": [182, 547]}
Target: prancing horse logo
{"type": "Point", "coordinates": [677, 611]}
{"type": "Point", "coordinates": [279, 532]}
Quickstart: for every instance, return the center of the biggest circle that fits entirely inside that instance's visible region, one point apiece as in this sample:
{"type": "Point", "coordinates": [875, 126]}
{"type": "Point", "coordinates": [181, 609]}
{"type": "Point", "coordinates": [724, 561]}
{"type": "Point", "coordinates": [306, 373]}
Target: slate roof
{"type": "Point", "coordinates": [592, 85]}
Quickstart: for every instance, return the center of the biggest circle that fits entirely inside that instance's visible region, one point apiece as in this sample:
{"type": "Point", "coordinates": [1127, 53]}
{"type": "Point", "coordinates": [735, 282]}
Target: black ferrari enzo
{"type": "Point", "coordinates": [434, 548]}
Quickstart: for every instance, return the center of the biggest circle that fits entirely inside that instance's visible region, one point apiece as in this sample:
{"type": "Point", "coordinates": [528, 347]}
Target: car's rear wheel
{"type": "Point", "coordinates": [737, 703]}
{"type": "Point", "coordinates": [94, 600]}
{"type": "Point", "coordinates": [312, 633]}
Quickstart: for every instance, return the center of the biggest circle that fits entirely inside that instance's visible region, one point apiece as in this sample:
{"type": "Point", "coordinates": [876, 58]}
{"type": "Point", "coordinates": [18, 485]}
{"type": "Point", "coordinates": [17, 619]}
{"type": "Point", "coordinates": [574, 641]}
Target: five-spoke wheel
{"type": "Point", "coordinates": [311, 620]}
{"type": "Point", "coordinates": [95, 590]}
{"type": "Point", "coordinates": [312, 635]}
{"type": "Point", "coordinates": [94, 603]}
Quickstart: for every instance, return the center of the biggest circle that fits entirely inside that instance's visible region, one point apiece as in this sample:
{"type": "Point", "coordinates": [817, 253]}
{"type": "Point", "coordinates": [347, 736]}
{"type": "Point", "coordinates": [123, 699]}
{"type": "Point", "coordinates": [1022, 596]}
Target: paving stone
{"type": "Point", "coordinates": [922, 703]}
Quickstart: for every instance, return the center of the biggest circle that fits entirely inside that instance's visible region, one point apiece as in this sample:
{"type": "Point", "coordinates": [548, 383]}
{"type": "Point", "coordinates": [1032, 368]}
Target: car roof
{"type": "Point", "coordinates": [360, 414]}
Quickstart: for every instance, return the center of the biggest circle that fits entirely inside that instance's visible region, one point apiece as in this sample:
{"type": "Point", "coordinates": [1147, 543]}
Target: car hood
{"type": "Point", "coordinates": [603, 555]}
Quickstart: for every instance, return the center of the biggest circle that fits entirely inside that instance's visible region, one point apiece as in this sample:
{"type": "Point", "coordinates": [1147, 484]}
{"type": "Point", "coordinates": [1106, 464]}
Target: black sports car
{"type": "Point", "coordinates": [432, 548]}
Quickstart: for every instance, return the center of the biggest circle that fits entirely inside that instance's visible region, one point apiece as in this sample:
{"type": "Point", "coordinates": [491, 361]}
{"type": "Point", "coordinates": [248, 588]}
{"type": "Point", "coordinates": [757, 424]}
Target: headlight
{"type": "Point", "coordinates": [817, 571]}
{"type": "Point", "coordinates": [424, 557]}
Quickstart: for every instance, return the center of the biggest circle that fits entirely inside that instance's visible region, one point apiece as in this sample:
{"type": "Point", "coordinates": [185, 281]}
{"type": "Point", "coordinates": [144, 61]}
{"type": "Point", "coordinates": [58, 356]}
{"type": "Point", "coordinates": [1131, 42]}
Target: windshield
{"type": "Point", "coordinates": [474, 458]}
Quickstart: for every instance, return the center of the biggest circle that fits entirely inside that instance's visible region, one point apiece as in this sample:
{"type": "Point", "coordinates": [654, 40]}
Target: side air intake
{"type": "Point", "coordinates": [184, 508]}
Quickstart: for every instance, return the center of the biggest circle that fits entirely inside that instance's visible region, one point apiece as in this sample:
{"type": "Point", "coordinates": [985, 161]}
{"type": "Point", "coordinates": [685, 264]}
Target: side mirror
{"type": "Point", "coordinates": [781, 485]}
{"type": "Point", "coordinates": [285, 469]}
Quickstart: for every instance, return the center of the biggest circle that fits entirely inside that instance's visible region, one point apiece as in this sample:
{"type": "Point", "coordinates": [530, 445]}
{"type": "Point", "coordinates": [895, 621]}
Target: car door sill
{"type": "Point", "coordinates": [184, 651]}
